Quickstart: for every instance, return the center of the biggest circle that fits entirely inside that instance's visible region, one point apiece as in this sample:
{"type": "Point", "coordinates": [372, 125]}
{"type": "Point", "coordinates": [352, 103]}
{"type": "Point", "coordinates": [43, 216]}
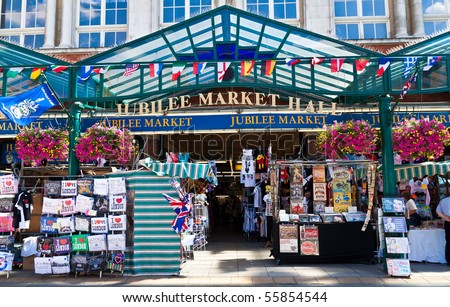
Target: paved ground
{"type": "Point", "coordinates": [244, 263]}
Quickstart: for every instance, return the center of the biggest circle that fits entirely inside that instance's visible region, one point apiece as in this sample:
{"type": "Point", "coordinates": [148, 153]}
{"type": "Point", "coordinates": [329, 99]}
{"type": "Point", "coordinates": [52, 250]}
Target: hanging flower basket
{"type": "Point", "coordinates": [34, 146]}
{"type": "Point", "coordinates": [420, 138]}
{"type": "Point", "coordinates": [110, 143]}
{"type": "Point", "coordinates": [351, 137]}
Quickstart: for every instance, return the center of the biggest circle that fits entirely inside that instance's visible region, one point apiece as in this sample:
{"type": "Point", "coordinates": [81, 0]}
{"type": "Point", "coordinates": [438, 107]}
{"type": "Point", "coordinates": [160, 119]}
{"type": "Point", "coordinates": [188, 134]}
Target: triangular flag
{"type": "Point", "coordinates": [221, 69]}
{"type": "Point", "coordinates": [177, 68]}
{"type": "Point", "coordinates": [130, 69]}
{"type": "Point", "coordinates": [292, 62]}
{"type": "Point", "coordinates": [36, 72]}
{"type": "Point", "coordinates": [361, 64]}
{"type": "Point", "coordinates": [58, 68]}
{"type": "Point", "coordinates": [267, 67]}
{"type": "Point", "coordinates": [101, 70]}
{"type": "Point", "coordinates": [336, 64]}
{"type": "Point", "coordinates": [198, 67]}
{"type": "Point", "coordinates": [431, 61]}
{"type": "Point", "coordinates": [14, 72]}
{"type": "Point", "coordinates": [85, 73]}
{"type": "Point", "coordinates": [155, 69]}
{"type": "Point", "coordinates": [408, 63]}
{"type": "Point", "coordinates": [246, 67]}
{"type": "Point", "coordinates": [383, 65]}
{"type": "Point", "coordinates": [315, 61]}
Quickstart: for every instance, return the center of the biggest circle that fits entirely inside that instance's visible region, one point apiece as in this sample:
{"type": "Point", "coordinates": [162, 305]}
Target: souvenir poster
{"type": "Point", "coordinates": [69, 188]}
{"type": "Point", "coordinates": [116, 242]}
{"type": "Point", "coordinates": [297, 207]}
{"type": "Point", "coordinates": [288, 239]}
{"type": "Point", "coordinates": [60, 265]}
{"type": "Point", "coordinates": [52, 188]}
{"type": "Point", "coordinates": [318, 172]}
{"type": "Point", "coordinates": [84, 203]}
{"type": "Point", "coordinates": [66, 224]}
{"type": "Point", "coordinates": [99, 225]}
{"type": "Point", "coordinates": [117, 222]}
{"type": "Point", "coordinates": [9, 184]}
{"type": "Point", "coordinates": [101, 186]}
{"type": "Point", "coordinates": [82, 223]}
{"type": "Point", "coordinates": [397, 245]}
{"type": "Point", "coordinates": [85, 186]}
{"type": "Point", "coordinates": [43, 265]}
{"type": "Point", "coordinates": [6, 261]}
{"type": "Point", "coordinates": [117, 203]}
{"type": "Point", "coordinates": [50, 205]}
{"type": "Point", "coordinates": [309, 248]}
{"type": "Point", "coordinates": [6, 203]}
{"type": "Point", "coordinates": [80, 243]}
{"type": "Point", "coordinates": [67, 206]}
{"type": "Point", "coordinates": [6, 222]}
{"type": "Point", "coordinates": [97, 243]}
{"type": "Point", "coordinates": [342, 198]}
{"type": "Point", "coordinates": [101, 205]}
{"type": "Point", "coordinates": [62, 245]}
{"type": "Point", "coordinates": [393, 204]}
{"type": "Point", "coordinates": [6, 242]}
{"type": "Point", "coordinates": [296, 174]}
{"type": "Point", "coordinates": [48, 225]}
{"type": "Point", "coordinates": [398, 267]}
{"type": "Point", "coordinates": [296, 191]}
{"type": "Point", "coordinates": [45, 245]}
{"type": "Point", "coordinates": [117, 186]}
{"type": "Point", "coordinates": [320, 191]}
{"type": "Point", "coordinates": [394, 224]}
{"type": "Point", "coordinates": [309, 233]}
{"type": "Point", "coordinates": [318, 207]}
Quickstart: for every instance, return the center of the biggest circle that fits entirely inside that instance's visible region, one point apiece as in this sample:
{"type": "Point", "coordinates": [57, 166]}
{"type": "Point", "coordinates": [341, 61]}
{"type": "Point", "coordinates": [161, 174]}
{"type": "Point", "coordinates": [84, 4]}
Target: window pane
{"type": "Point", "coordinates": [381, 31]}
{"type": "Point", "coordinates": [369, 31]}
{"type": "Point", "coordinates": [353, 32]}
{"type": "Point", "coordinates": [110, 39]}
{"type": "Point", "coordinates": [28, 42]}
{"type": "Point", "coordinates": [39, 41]}
{"type": "Point", "coordinates": [30, 20]}
{"type": "Point", "coordinates": [431, 7]}
{"type": "Point", "coordinates": [83, 40]}
{"type": "Point", "coordinates": [121, 38]}
{"type": "Point", "coordinates": [278, 11]}
{"type": "Point", "coordinates": [291, 11]}
{"type": "Point", "coordinates": [122, 17]}
{"type": "Point", "coordinates": [379, 8]}
{"type": "Point", "coordinates": [352, 8]}
{"type": "Point", "coordinates": [110, 18]}
{"type": "Point", "coordinates": [339, 9]}
{"type": "Point", "coordinates": [168, 15]}
{"type": "Point", "coordinates": [95, 40]}
{"type": "Point", "coordinates": [367, 7]}
{"type": "Point", "coordinates": [341, 31]}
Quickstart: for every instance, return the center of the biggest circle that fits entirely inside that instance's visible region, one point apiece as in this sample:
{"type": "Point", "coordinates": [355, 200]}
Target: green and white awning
{"type": "Point", "coordinates": [420, 170]}
{"type": "Point", "coordinates": [182, 170]}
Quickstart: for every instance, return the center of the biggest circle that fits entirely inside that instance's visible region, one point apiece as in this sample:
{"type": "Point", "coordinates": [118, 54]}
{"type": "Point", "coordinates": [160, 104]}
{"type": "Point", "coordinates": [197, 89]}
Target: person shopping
{"type": "Point", "coordinates": [443, 210]}
{"type": "Point", "coordinates": [412, 217]}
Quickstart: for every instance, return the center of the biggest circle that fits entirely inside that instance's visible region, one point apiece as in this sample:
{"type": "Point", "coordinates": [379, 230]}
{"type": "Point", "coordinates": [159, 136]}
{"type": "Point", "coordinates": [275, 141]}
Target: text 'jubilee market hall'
{"type": "Point", "coordinates": [150, 147]}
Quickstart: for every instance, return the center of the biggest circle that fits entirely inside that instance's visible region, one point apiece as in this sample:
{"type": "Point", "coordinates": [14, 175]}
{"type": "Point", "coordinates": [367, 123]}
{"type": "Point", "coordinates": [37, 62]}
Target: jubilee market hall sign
{"type": "Point", "coordinates": [153, 117]}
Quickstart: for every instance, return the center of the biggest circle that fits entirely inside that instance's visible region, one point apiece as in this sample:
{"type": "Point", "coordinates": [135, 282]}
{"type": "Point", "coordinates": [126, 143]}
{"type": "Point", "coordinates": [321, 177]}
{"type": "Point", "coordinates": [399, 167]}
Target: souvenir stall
{"type": "Point", "coordinates": [155, 248]}
{"type": "Point", "coordinates": [322, 211]}
{"type": "Point", "coordinates": [427, 183]}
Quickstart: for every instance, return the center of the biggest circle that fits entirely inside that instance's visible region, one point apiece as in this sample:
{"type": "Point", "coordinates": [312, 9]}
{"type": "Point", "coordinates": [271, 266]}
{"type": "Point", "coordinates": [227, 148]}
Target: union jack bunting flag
{"type": "Point", "coordinates": [182, 209]}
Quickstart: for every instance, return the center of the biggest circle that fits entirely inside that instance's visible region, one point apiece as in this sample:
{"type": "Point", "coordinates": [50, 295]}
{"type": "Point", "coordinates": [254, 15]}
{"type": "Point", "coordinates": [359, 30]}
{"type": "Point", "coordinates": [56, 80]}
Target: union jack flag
{"type": "Point", "coordinates": [182, 208]}
{"type": "Point", "coordinates": [130, 69]}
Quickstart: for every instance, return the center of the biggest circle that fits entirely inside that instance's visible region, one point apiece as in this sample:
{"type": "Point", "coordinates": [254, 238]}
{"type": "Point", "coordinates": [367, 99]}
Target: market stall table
{"type": "Point", "coordinates": [427, 245]}
{"type": "Point", "coordinates": [338, 242]}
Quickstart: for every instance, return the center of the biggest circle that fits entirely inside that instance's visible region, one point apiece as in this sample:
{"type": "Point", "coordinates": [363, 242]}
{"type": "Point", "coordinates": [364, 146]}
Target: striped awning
{"type": "Point", "coordinates": [182, 170]}
{"type": "Point", "coordinates": [410, 171]}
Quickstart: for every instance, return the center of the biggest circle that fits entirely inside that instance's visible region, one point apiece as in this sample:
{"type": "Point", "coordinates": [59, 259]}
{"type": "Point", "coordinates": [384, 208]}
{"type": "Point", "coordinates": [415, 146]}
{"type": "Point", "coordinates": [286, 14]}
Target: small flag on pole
{"type": "Point", "coordinates": [177, 68]}
{"type": "Point", "coordinates": [361, 64]}
{"type": "Point", "coordinates": [315, 61]}
{"type": "Point", "coordinates": [246, 67]}
{"type": "Point", "coordinates": [198, 67]}
{"type": "Point", "coordinates": [431, 61]}
{"type": "Point", "coordinates": [336, 64]}
{"type": "Point", "coordinates": [155, 69]}
{"type": "Point", "coordinates": [292, 62]}
{"type": "Point", "coordinates": [130, 69]}
{"type": "Point", "coordinates": [267, 67]}
{"type": "Point", "coordinates": [383, 65]}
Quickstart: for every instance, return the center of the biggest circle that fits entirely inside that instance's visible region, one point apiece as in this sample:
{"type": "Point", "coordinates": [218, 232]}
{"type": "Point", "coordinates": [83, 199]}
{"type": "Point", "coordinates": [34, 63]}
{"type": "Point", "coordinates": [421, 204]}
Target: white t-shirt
{"type": "Point", "coordinates": [268, 200]}
{"type": "Point", "coordinates": [410, 205]}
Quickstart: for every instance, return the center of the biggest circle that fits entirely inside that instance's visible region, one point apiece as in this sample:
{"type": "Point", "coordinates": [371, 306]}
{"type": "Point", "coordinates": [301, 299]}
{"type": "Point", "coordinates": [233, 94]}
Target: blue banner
{"type": "Point", "coordinates": [224, 122]}
{"type": "Point", "coordinates": [26, 108]}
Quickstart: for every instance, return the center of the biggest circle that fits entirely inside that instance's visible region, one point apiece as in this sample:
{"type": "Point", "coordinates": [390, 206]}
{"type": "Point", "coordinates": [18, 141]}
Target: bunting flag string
{"type": "Point", "coordinates": [198, 68]}
{"type": "Point", "coordinates": [408, 64]}
{"type": "Point", "coordinates": [336, 64]}
{"type": "Point", "coordinates": [85, 73]}
{"type": "Point", "coordinates": [383, 66]}
{"type": "Point", "coordinates": [246, 67]}
{"type": "Point", "coordinates": [130, 69]}
{"type": "Point", "coordinates": [431, 61]}
{"type": "Point", "coordinates": [408, 84]}
{"type": "Point", "coordinates": [177, 68]}
{"type": "Point", "coordinates": [267, 67]}
{"type": "Point", "coordinates": [315, 61]}
{"type": "Point", "coordinates": [155, 69]}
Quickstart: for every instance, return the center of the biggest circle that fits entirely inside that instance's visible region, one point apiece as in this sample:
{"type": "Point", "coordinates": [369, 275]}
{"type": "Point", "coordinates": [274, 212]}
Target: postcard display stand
{"type": "Point", "coordinates": [82, 226]}
{"type": "Point", "coordinates": [320, 209]}
{"type": "Point", "coordinates": [393, 237]}
{"type": "Point", "coordinates": [8, 188]}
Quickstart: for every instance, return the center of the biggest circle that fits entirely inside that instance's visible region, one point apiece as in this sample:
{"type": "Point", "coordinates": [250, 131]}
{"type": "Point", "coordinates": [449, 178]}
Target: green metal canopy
{"type": "Point", "coordinates": [13, 56]}
{"type": "Point", "coordinates": [228, 34]}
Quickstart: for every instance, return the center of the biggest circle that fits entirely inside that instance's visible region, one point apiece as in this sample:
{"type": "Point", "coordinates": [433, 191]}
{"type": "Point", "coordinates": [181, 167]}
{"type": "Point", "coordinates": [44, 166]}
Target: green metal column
{"type": "Point", "coordinates": [74, 133]}
{"type": "Point", "coordinates": [387, 150]}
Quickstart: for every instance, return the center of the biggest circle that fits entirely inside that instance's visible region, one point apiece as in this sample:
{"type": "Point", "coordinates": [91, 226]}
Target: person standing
{"type": "Point", "coordinates": [412, 217]}
{"type": "Point", "coordinates": [443, 210]}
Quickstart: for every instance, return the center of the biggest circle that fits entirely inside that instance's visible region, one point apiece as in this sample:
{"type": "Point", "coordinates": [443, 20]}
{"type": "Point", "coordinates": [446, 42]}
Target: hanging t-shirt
{"type": "Point", "coordinates": [23, 206]}
{"type": "Point", "coordinates": [67, 206]}
{"type": "Point", "coordinates": [69, 188]}
{"type": "Point", "coordinates": [116, 242]}
{"type": "Point", "coordinates": [43, 265]}
{"type": "Point", "coordinates": [117, 203]}
{"type": "Point", "coordinates": [84, 203]}
{"type": "Point", "coordinates": [50, 205]}
{"type": "Point", "coordinates": [45, 245]}
{"type": "Point", "coordinates": [257, 198]}
{"type": "Point", "coordinates": [48, 225]}
{"type": "Point", "coordinates": [52, 188]}
{"type": "Point", "coordinates": [60, 265]}
{"type": "Point", "coordinates": [268, 200]}
{"type": "Point", "coordinates": [117, 222]}
{"type": "Point", "coordinates": [62, 245]}
{"type": "Point", "coordinates": [117, 186]}
{"type": "Point", "coordinates": [101, 205]}
{"type": "Point", "coordinates": [82, 223]}
{"type": "Point", "coordinates": [80, 243]}
{"type": "Point", "coordinates": [97, 243]}
{"type": "Point", "coordinates": [66, 224]}
{"type": "Point", "coordinates": [101, 186]}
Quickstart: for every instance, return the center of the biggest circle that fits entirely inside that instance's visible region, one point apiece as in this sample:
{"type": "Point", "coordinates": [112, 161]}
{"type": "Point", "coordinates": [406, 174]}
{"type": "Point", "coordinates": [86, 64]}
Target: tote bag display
{"type": "Point", "coordinates": [116, 242]}
{"type": "Point", "coordinates": [97, 243]}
